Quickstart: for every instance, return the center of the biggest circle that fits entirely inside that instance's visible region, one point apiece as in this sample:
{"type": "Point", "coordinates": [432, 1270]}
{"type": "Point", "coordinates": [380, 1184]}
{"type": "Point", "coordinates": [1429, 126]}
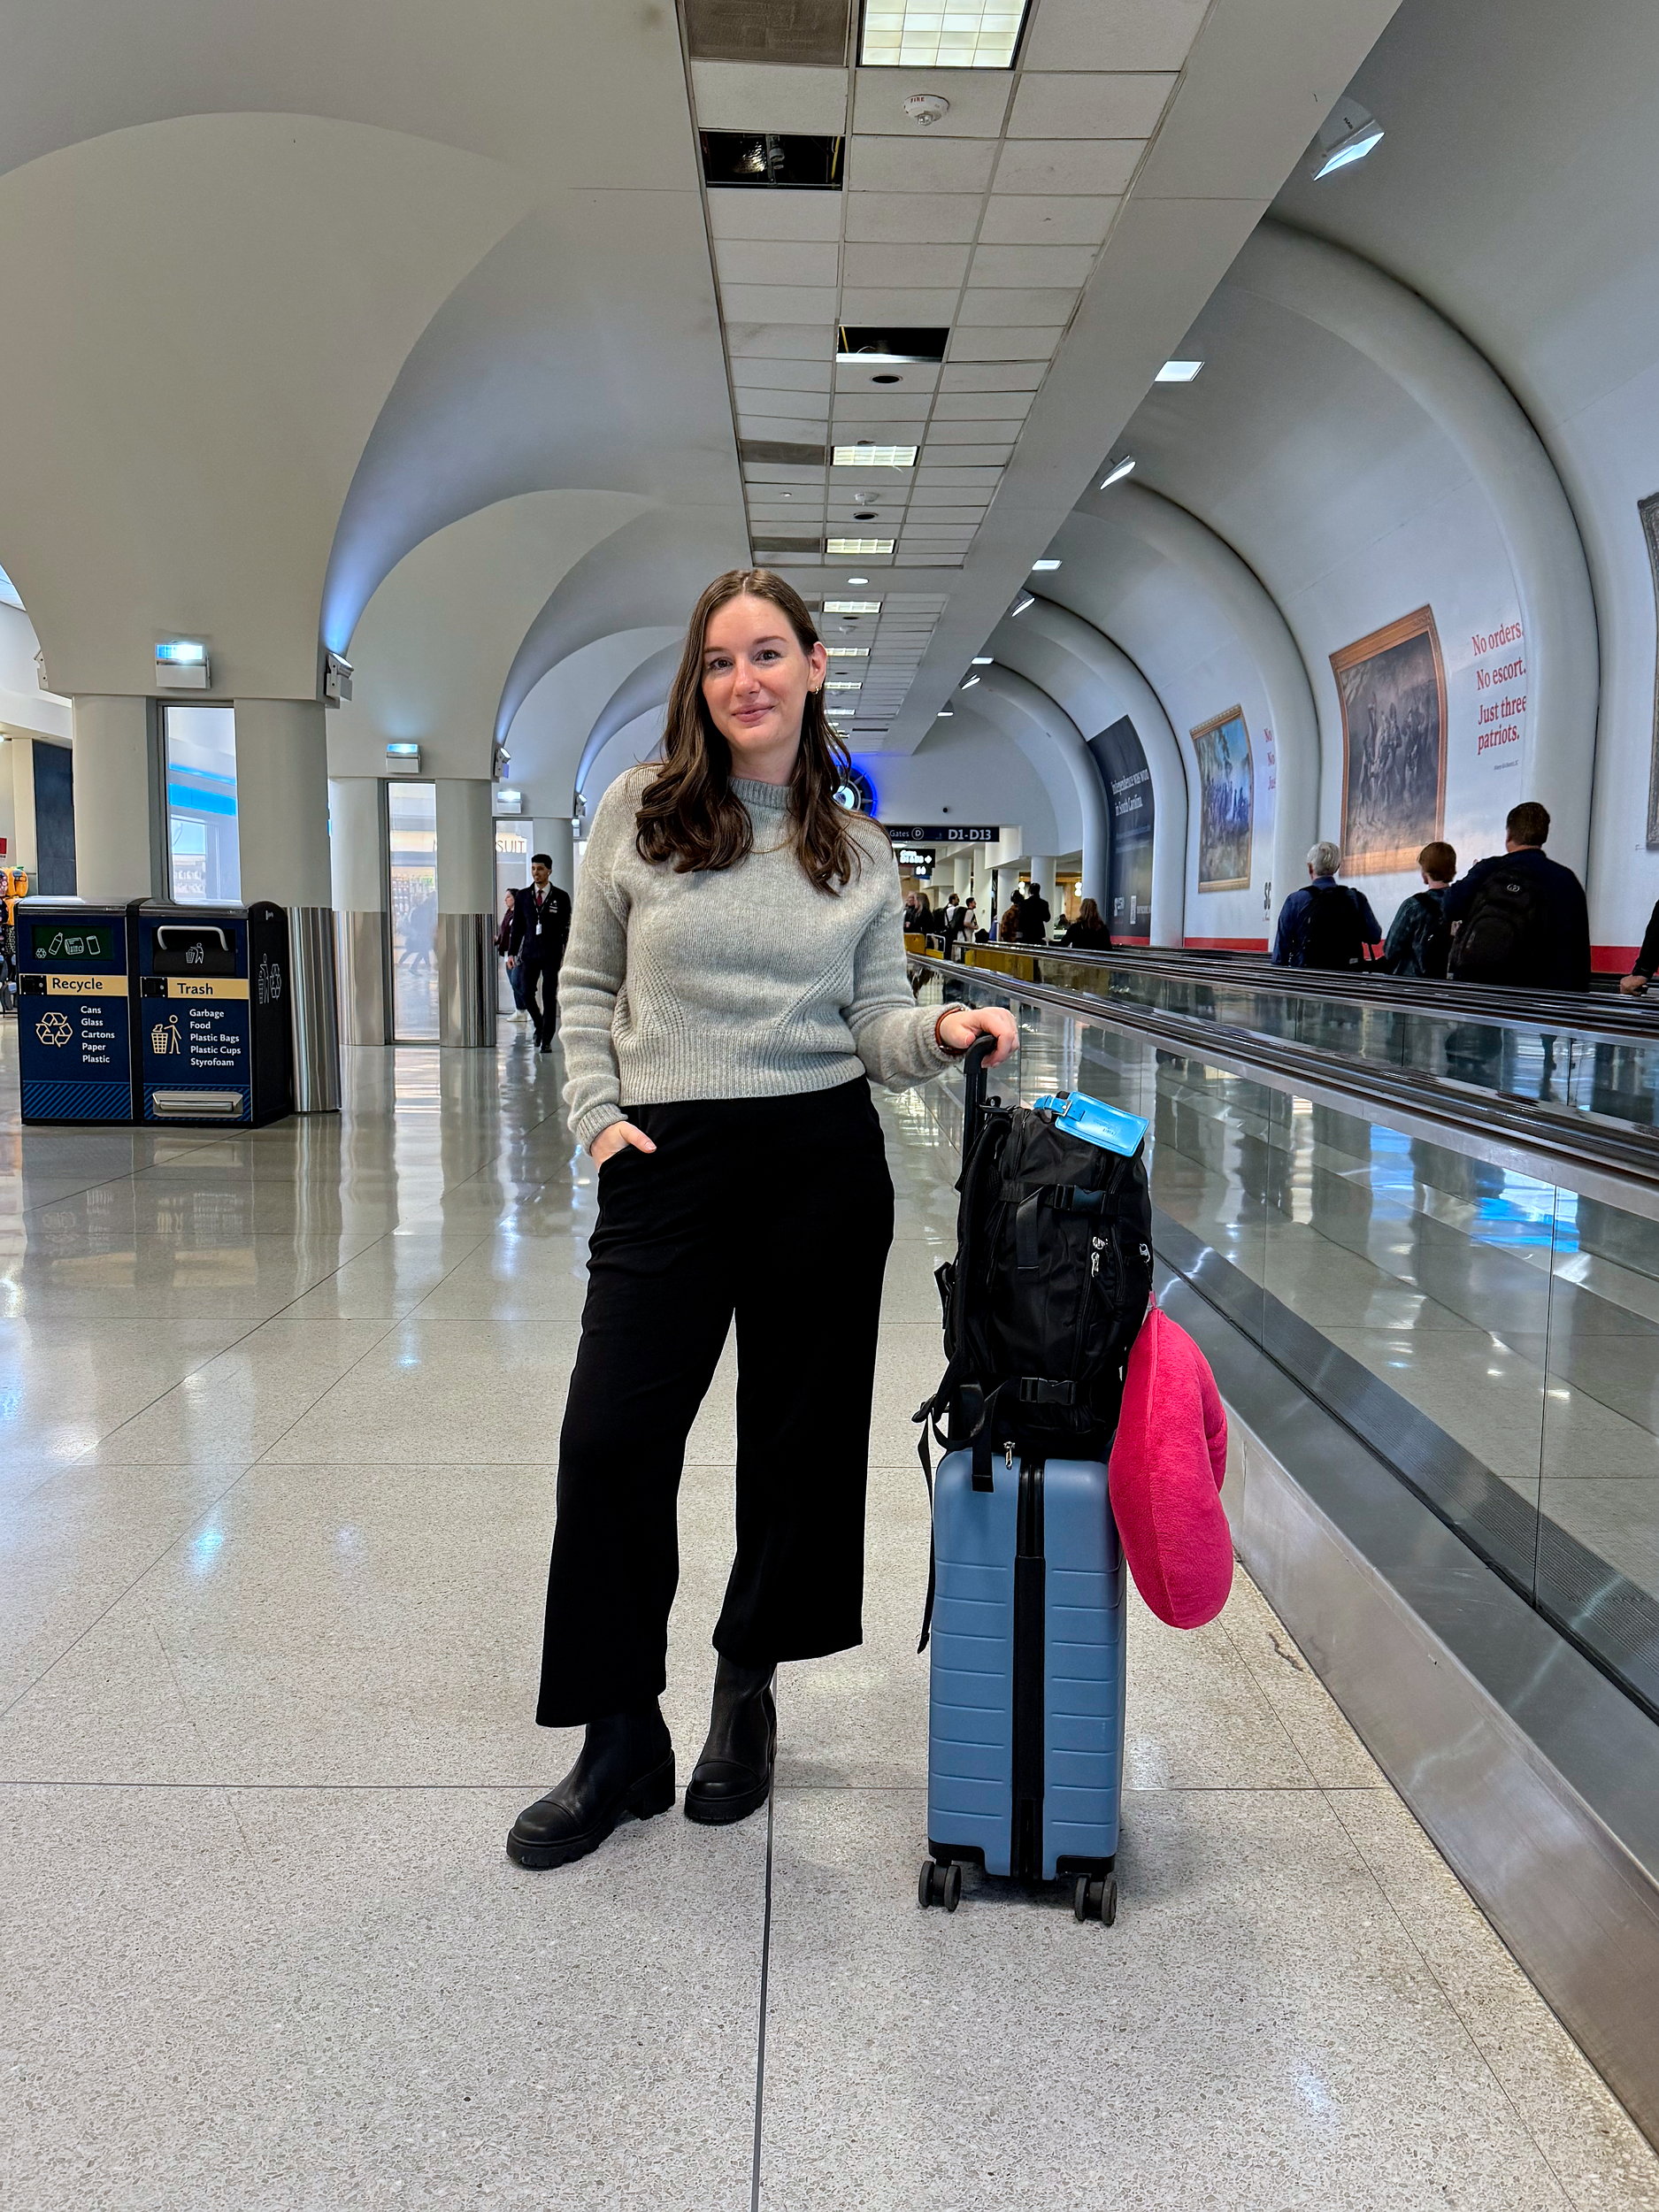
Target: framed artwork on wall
{"type": "Point", "coordinates": [1648, 510]}
{"type": "Point", "coordinates": [1226, 780]}
{"type": "Point", "coordinates": [1392, 690]}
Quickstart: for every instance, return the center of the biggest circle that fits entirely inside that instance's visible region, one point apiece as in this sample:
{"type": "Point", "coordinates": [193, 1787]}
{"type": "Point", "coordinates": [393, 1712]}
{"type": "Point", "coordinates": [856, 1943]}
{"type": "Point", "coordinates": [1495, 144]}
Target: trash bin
{"type": "Point", "coordinates": [75, 1011]}
{"type": "Point", "coordinates": [214, 1041]}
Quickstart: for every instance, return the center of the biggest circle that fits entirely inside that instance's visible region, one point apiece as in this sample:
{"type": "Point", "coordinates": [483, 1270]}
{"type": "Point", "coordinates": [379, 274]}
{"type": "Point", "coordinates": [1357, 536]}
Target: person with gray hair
{"type": "Point", "coordinates": [1325, 923]}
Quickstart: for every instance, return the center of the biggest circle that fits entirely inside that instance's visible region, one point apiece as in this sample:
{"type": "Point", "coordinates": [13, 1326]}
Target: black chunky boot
{"type": "Point", "coordinates": [734, 1776]}
{"type": "Point", "coordinates": [626, 1766]}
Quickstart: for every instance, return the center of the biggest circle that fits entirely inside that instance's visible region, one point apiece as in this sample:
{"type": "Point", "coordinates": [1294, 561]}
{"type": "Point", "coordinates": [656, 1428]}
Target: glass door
{"type": "Point", "coordinates": [411, 816]}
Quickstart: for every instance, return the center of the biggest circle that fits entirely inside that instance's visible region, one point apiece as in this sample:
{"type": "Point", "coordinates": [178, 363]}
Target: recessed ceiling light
{"type": "Point", "coordinates": [852, 606]}
{"type": "Point", "coordinates": [1022, 602]}
{"type": "Point", "coordinates": [859, 580]}
{"type": "Point", "coordinates": [875, 457]}
{"type": "Point", "coordinates": [838, 687]}
{"type": "Point", "coordinates": [971, 682]}
{"type": "Point", "coordinates": [860, 545]}
{"type": "Point", "coordinates": [849, 652]}
{"type": "Point", "coordinates": [983, 660]}
{"type": "Point", "coordinates": [1178, 372]}
{"type": "Point", "coordinates": [1118, 470]}
{"type": "Point", "coordinates": [1037, 564]}
{"type": "Point", "coordinates": [944, 714]}
{"type": "Point", "coordinates": [1349, 135]}
{"type": "Point", "coordinates": [966, 34]}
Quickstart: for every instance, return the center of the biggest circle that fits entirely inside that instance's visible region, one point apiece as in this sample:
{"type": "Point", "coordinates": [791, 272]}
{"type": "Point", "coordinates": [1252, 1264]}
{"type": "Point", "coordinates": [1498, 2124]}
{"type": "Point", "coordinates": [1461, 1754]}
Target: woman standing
{"type": "Point", "coordinates": [1089, 932]}
{"type": "Point", "coordinates": [734, 978]}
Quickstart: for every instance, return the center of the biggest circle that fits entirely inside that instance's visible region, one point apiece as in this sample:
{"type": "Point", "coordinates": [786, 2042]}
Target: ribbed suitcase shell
{"type": "Point", "coordinates": [982, 1718]}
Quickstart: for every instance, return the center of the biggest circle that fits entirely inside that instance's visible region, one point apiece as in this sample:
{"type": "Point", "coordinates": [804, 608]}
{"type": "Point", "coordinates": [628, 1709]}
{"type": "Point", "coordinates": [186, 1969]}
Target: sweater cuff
{"type": "Point", "coordinates": [586, 1126]}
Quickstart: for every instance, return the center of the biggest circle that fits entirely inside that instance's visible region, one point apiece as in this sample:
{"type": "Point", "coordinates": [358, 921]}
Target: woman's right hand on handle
{"type": "Point", "coordinates": [613, 1138]}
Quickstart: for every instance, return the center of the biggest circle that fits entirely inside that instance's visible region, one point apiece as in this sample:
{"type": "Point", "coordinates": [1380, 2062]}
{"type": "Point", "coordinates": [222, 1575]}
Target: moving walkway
{"type": "Point", "coordinates": [1421, 1250]}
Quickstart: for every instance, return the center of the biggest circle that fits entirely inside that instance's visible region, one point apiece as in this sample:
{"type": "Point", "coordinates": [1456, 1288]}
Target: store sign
{"type": "Point", "coordinates": [952, 833]}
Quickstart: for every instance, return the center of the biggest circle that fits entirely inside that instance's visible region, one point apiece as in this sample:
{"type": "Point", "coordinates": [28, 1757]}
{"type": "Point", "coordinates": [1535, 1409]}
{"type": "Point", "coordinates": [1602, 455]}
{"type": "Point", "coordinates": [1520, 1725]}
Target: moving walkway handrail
{"type": "Point", "coordinates": [1601, 1018]}
{"type": "Point", "coordinates": [1560, 1138]}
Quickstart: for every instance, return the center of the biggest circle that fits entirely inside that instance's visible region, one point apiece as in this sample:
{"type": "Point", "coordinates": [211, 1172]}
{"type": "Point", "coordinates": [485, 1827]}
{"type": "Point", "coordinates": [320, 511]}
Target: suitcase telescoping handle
{"type": "Point", "coordinates": [973, 1089]}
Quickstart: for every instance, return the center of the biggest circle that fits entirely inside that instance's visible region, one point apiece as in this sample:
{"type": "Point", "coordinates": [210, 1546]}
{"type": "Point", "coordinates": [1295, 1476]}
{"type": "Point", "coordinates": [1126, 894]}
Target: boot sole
{"type": "Point", "coordinates": [653, 1795]}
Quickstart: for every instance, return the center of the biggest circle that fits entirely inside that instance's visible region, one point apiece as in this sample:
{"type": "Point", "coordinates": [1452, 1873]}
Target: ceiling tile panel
{"type": "Point", "coordinates": [1092, 104]}
{"type": "Point", "coordinates": [779, 341]}
{"type": "Point", "coordinates": [814, 31]}
{"type": "Point", "coordinates": [771, 261]}
{"type": "Point", "coordinates": [1021, 306]}
{"type": "Point", "coordinates": [1006, 345]}
{"type": "Point", "coordinates": [988, 376]}
{"type": "Point", "coordinates": [739, 213]}
{"type": "Point", "coordinates": [870, 304]}
{"type": "Point", "coordinates": [1128, 35]}
{"type": "Point", "coordinates": [901, 409]}
{"type": "Point", "coordinates": [1067, 266]}
{"type": "Point", "coordinates": [904, 268]}
{"type": "Point", "coordinates": [734, 96]}
{"type": "Point", "coordinates": [920, 165]}
{"type": "Point", "coordinates": [1018, 219]}
{"type": "Point", "coordinates": [980, 407]}
{"type": "Point", "coordinates": [781, 302]}
{"type": "Point", "coordinates": [999, 455]}
{"type": "Point", "coordinates": [882, 218]}
{"type": "Point", "coordinates": [915, 376]}
{"type": "Point", "coordinates": [1069, 166]}
{"type": "Point", "coordinates": [781, 376]}
{"type": "Point", "coordinates": [979, 103]}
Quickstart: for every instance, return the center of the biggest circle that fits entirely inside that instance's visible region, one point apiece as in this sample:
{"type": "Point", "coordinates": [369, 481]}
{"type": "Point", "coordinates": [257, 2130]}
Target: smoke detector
{"type": "Point", "coordinates": [926, 107]}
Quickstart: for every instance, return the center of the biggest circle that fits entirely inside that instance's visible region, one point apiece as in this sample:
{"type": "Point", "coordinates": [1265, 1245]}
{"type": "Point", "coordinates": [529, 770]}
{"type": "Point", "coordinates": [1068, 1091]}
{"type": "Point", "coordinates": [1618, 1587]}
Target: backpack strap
{"type": "Point", "coordinates": [1065, 1198]}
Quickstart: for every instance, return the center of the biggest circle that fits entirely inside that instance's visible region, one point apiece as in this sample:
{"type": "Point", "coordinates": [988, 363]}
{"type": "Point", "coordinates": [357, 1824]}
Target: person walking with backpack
{"type": "Point", "coordinates": [1520, 919]}
{"type": "Point", "coordinates": [735, 981]}
{"type": "Point", "coordinates": [1419, 936]}
{"type": "Point", "coordinates": [1326, 924]}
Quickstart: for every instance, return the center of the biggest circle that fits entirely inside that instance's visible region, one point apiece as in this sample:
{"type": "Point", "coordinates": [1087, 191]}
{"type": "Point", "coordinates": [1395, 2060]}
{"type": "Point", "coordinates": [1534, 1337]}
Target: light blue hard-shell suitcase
{"type": "Point", "coordinates": [1026, 1736]}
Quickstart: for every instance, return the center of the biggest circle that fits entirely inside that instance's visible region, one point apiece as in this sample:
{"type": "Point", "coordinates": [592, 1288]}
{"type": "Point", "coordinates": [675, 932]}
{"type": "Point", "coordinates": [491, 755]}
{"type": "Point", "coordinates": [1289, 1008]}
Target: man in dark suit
{"type": "Point", "coordinates": [536, 936]}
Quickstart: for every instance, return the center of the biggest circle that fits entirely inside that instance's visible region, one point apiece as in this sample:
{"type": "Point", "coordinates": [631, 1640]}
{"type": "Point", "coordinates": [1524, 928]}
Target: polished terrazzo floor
{"type": "Point", "coordinates": [275, 1496]}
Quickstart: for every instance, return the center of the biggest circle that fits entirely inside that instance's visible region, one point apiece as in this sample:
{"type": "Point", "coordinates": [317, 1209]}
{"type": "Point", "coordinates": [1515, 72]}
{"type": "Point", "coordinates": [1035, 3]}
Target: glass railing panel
{"type": "Point", "coordinates": [1598, 1538]}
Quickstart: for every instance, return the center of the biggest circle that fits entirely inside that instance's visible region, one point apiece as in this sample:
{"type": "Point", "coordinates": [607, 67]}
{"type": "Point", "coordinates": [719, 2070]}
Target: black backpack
{"type": "Point", "coordinates": [1331, 933]}
{"type": "Point", "coordinates": [1046, 1293]}
{"type": "Point", "coordinates": [1428, 938]}
{"type": "Point", "coordinates": [1502, 937]}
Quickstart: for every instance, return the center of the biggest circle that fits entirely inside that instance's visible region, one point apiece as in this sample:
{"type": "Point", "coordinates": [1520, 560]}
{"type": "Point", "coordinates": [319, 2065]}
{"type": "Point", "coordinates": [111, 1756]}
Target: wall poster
{"type": "Point", "coordinates": [1122, 762]}
{"type": "Point", "coordinates": [1226, 780]}
{"type": "Point", "coordinates": [1648, 510]}
{"type": "Point", "coordinates": [1392, 688]}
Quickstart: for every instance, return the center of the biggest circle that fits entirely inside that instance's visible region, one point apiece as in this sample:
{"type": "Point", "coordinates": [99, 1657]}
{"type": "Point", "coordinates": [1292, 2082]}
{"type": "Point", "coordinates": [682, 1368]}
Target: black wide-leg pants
{"type": "Point", "coordinates": [777, 1212]}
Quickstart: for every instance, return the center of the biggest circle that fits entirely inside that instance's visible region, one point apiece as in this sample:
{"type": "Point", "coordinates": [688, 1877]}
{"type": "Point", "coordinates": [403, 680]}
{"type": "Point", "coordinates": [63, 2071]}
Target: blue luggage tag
{"type": "Point", "coordinates": [1096, 1122]}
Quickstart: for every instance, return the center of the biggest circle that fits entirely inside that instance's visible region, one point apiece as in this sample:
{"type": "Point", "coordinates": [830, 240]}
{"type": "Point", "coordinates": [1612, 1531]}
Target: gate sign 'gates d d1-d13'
{"type": "Point", "coordinates": [75, 1011]}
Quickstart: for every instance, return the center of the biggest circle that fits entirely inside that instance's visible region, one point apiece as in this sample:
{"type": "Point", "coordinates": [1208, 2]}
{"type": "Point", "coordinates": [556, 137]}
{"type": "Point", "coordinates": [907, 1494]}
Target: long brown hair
{"type": "Point", "coordinates": [689, 813]}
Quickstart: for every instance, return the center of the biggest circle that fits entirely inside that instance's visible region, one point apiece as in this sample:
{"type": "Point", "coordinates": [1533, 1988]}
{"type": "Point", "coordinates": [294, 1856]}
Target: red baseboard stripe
{"type": "Point", "coordinates": [1225, 944]}
{"type": "Point", "coordinates": [1613, 959]}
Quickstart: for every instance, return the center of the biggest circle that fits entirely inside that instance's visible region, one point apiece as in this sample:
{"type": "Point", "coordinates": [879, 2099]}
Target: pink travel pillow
{"type": "Point", "coordinates": [1167, 1463]}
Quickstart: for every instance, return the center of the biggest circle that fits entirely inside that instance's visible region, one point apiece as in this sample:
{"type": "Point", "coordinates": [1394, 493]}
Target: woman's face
{"type": "Point", "coordinates": [755, 678]}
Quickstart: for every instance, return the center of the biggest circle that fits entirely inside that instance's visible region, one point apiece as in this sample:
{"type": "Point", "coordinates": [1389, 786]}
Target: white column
{"type": "Point", "coordinates": [466, 910]}
{"type": "Point", "coordinates": [118, 840]}
{"type": "Point", "coordinates": [556, 838]}
{"type": "Point", "coordinates": [357, 848]}
{"type": "Point", "coordinates": [282, 838]}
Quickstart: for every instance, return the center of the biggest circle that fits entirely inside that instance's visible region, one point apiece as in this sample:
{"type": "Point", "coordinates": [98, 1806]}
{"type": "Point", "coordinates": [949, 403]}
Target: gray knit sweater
{"type": "Point", "coordinates": [740, 983]}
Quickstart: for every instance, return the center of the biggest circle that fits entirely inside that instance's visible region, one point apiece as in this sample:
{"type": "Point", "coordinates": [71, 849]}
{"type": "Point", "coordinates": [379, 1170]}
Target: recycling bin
{"type": "Point", "coordinates": [75, 1057]}
{"type": "Point", "coordinates": [213, 1033]}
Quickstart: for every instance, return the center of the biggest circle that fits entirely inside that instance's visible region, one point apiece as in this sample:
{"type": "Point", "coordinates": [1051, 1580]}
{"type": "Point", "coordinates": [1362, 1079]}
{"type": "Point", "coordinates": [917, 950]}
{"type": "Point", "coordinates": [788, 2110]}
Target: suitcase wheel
{"type": "Point", "coordinates": [1095, 1898]}
{"type": "Point", "coordinates": [939, 1883]}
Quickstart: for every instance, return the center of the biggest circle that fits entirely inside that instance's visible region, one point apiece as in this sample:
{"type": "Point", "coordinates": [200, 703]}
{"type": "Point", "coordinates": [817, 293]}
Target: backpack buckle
{"type": "Point", "coordinates": [1043, 1390]}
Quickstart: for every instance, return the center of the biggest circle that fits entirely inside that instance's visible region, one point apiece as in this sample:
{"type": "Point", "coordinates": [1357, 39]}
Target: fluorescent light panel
{"type": "Point", "coordinates": [1037, 564]}
{"type": "Point", "coordinates": [860, 545]}
{"type": "Point", "coordinates": [852, 606]}
{"type": "Point", "coordinates": [960, 35]}
{"type": "Point", "coordinates": [848, 652]}
{"type": "Point", "coordinates": [1178, 372]}
{"type": "Point", "coordinates": [873, 457]}
{"type": "Point", "coordinates": [983, 660]}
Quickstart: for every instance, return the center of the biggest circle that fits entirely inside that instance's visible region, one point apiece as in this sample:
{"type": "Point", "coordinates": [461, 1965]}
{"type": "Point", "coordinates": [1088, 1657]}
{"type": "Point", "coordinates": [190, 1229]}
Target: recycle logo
{"type": "Point", "coordinates": [53, 1028]}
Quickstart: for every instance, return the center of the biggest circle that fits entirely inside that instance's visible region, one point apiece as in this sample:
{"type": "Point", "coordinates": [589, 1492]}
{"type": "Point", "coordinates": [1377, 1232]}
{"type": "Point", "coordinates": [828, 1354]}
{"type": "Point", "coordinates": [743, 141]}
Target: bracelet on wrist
{"type": "Point", "coordinates": [945, 1012]}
